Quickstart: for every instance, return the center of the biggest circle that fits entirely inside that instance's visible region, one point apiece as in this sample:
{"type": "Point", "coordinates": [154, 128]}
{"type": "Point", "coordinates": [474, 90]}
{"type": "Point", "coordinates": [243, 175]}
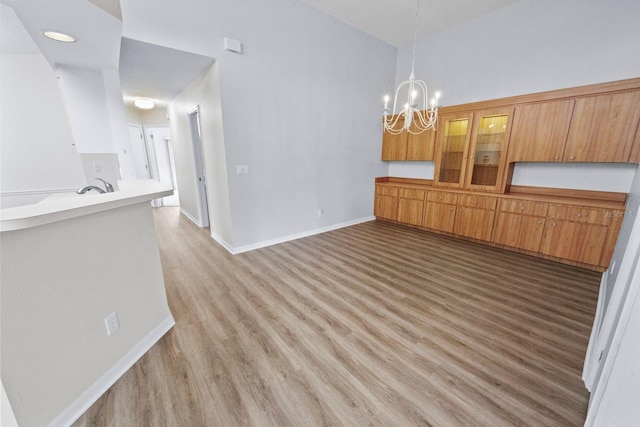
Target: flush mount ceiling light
{"type": "Point", "coordinates": [415, 109]}
{"type": "Point", "coordinates": [60, 37]}
{"type": "Point", "coordinates": [144, 104]}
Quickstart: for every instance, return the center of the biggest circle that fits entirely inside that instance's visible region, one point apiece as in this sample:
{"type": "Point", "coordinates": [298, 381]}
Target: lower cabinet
{"type": "Point", "coordinates": [520, 224]}
{"type": "Point", "coordinates": [440, 211]}
{"type": "Point", "coordinates": [411, 206]}
{"type": "Point", "coordinates": [474, 216]}
{"type": "Point", "coordinates": [578, 234]}
{"type": "Point", "coordinates": [386, 202]}
{"type": "Point", "coordinates": [519, 231]}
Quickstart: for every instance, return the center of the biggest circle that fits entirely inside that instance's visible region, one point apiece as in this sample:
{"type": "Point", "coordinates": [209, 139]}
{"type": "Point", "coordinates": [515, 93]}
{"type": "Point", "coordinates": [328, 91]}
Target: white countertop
{"type": "Point", "coordinates": [62, 206]}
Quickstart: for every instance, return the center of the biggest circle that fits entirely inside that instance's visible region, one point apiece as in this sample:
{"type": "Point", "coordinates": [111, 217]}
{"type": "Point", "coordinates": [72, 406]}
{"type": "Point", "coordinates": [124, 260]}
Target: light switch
{"type": "Point", "coordinates": [97, 167]}
{"type": "Point", "coordinates": [242, 169]}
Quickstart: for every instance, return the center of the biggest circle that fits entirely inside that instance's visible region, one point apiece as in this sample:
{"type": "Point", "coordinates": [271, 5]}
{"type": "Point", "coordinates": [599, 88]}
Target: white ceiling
{"type": "Point", "coordinates": [156, 72]}
{"type": "Point", "coordinates": [392, 21]}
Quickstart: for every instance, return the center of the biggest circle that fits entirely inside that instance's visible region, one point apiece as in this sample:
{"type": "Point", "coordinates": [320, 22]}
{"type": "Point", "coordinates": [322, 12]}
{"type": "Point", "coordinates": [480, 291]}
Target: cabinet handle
{"type": "Point", "coordinates": [556, 157]}
{"type": "Point", "coordinates": [579, 215]}
{"type": "Point", "coordinates": [553, 224]}
{"type": "Point", "coordinates": [572, 157]}
{"type": "Point", "coordinates": [539, 221]}
{"type": "Point", "coordinates": [451, 209]}
{"type": "Point", "coordinates": [521, 208]}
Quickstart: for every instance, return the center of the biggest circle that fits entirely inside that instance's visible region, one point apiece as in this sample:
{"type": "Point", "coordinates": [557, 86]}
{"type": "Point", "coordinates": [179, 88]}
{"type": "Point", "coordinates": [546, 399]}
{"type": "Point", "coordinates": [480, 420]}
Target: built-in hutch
{"type": "Point", "coordinates": [475, 148]}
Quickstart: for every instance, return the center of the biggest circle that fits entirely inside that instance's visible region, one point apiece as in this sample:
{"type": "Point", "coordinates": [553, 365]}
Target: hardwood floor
{"type": "Point", "coordinates": [374, 324]}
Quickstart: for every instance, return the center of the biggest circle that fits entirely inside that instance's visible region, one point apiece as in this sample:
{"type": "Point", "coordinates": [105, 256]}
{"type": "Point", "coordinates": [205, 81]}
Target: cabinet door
{"type": "Point", "coordinates": [488, 150]}
{"type": "Point", "coordinates": [386, 207]}
{"type": "Point", "coordinates": [451, 149]}
{"type": "Point", "coordinates": [519, 231]}
{"type": "Point", "coordinates": [420, 146]}
{"type": "Point", "coordinates": [410, 211]}
{"type": "Point", "coordinates": [576, 241]}
{"type": "Point", "coordinates": [439, 216]}
{"type": "Point", "coordinates": [474, 223]}
{"type": "Point", "coordinates": [394, 147]}
{"type": "Point", "coordinates": [386, 202]}
{"type": "Point", "coordinates": [603, 128]}
{"type": "Point", "coordinates": [540, 131]}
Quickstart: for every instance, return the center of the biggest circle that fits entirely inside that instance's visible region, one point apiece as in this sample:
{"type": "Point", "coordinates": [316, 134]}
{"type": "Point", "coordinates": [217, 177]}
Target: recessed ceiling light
{"type": "Point", "coordinates": [60, 37]}
{"type": "Point", "coordinates": [144, 104]}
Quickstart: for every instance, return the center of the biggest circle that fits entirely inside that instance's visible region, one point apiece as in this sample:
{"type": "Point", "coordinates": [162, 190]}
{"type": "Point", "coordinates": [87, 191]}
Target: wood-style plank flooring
{"type": "Point", "coordinates": [371, 325]}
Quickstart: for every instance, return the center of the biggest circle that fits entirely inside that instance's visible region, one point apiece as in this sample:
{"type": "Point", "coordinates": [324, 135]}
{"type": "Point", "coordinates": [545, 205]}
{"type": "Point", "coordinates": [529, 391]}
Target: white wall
{"type": "Point", "coordinates": [36, 153]}
{"type": "Point", "coordinates": [301, 107]}
{"type": "Point", "coordinates": [58, 283]}
{"type": "Point", "coordinates": [533, 46]}
{"type": "Point", "coordinates": [203, 92]}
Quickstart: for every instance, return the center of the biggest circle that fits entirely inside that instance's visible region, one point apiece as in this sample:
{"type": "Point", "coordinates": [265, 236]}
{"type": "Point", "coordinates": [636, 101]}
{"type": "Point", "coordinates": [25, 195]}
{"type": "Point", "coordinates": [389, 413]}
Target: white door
{"type": "Point", "coordinates": [198, 154]}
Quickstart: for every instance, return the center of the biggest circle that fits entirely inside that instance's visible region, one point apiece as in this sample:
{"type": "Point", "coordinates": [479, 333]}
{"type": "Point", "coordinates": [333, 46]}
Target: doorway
{"type": "Point", "coordinates": [198, 155]}
{"type": "Point", "coordinates": [161, 165]}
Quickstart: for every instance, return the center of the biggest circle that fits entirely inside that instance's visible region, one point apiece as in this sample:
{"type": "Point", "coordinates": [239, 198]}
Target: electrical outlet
{"type": "Point", "coordinates": [242, 169]}
{"type": "Point", "coordinates": [112, 322]}
{"type": "Point", "coordinates": [320, 213]}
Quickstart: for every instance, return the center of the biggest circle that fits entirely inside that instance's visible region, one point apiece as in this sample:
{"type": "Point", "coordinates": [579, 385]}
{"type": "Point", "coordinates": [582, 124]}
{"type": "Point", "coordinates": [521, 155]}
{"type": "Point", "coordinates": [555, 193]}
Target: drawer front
{"type": "Point", "coordinates": [524, 207]}
{"type": "Point", "coordinates": [442, 197]}
{"type": "Point", "coordinates": [580, 214]}
{"type": "Point", "coordinates": [387, 190]}
{"type": "Point", "coordinates": [480, 202]}
{"type": "Point", "coordinates": [411, 193]}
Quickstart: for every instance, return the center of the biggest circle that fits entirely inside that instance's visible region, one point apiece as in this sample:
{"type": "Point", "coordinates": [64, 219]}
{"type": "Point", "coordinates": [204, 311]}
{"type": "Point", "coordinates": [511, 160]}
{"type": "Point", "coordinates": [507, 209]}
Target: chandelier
{"type": "Point", "coordinates": [414, 93]}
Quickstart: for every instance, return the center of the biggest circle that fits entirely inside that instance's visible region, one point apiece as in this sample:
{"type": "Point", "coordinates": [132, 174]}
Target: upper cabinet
{"type": "Point", "coordinates": [540, 131]}
{"type": "Point", "coordinates": [603, 128]}
{"type": "Point", "coordinates": [598, 128]}
{"type": "Point", "coordinates": [489, 142]}
{"type": "Point", "coordinates": [471, 150]}
{"type": "Point", "coordinates": [407, 146]}
{"type": "Point", "coordinates": [452, 149]}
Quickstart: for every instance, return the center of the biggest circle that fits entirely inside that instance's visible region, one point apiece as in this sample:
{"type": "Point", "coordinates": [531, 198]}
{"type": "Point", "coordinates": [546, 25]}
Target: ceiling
{"type": "Point", "coordinates": [392, 21]}
{"type": "Point", "coordinates": [156, 72]}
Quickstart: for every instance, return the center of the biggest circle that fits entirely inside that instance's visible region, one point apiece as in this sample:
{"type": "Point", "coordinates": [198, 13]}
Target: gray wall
{"type": "Point", "coordinates": [301, 107]}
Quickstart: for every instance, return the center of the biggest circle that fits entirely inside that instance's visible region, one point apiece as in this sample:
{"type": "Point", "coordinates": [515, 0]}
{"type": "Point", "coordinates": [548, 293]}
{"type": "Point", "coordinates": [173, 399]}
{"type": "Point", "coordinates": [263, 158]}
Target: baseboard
{"type": "Point", "coordinates": [93, 393]}
{"type": "Point", "coordinates": [191, 217]}
{"type": "Point", "coordinates": [291, 237]}
{"type": "Point", "coordinates": [222, 242]}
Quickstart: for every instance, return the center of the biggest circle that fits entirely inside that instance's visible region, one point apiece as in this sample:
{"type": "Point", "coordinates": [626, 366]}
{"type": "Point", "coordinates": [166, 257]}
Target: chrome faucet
{"type": "Point", "coordinates": [86, 188]}
{"type": "Point", "coordinates": [107, 185]}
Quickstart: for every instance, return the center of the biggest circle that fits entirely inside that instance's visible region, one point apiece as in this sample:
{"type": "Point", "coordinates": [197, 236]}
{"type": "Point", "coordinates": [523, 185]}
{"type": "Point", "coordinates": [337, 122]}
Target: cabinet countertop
{"type": "Point", "coordinates": [561, 196]}
{"type": "Point", "coordinates": [59, 207]}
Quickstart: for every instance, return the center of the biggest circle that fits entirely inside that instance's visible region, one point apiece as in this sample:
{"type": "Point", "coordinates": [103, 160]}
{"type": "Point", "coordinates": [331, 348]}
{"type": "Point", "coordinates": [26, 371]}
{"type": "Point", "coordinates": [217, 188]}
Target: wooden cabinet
{"type": "Point", "coordinates": [575, 233]}
{"type": "Point", "coordinates": [440, 211]}
{"type": "Point", "coordinates": [488, 150]}
{"type": "Point", "coordinates": [386, 202]}
{"type": "Point", "coordinates": [603, 128]}
{"type": "Point", "coordinates": [520, 224]}
{"type": "Point", "coordinates": [544, 225]}
{"type": "Point", "coordinates": [411, 206]}
{"type": "Point", "coordinates": [406, 145]}
{"type": "Point", "coordinates": [394, 147]}
{"type": "Point", "coordinates": [540, 131]}
{"type": "Point", "coordinates": [474, 216]}
{"type": "Point", "coordinates": [471, 151]}
{"type": "Point", "coordinates": [599, 128]}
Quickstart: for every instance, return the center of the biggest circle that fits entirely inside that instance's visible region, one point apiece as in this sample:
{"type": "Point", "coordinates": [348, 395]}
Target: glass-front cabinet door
{"type": "Point", "coordinates": [488, 150]}
{"type": "Point", "coordinates": [451, 150]}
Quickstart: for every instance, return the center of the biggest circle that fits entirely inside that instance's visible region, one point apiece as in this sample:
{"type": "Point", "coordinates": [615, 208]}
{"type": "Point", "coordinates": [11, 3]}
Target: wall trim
{"type": "Point", "coordinates": [591, 360]}
{"type": "Point", "coordinates": [98, 388]}
{"type": "Point", "coordinates": [283, 239]}
{"type": "Point", "coordinates": [191, 217]}
{"type": "Point", "coordinates": [222, 242]}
